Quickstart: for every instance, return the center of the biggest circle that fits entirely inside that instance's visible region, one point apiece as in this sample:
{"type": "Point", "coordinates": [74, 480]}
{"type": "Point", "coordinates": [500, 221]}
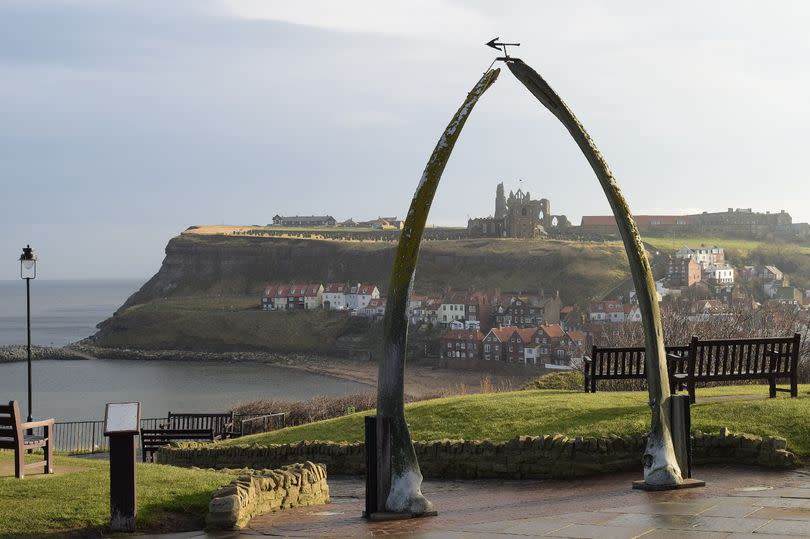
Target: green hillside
{"type": "Point", "coordinates": [503, 416]}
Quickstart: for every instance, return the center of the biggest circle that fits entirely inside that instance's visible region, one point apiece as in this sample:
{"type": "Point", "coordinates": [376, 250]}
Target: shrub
{"type": "Point", "coordinates": [570, 380]}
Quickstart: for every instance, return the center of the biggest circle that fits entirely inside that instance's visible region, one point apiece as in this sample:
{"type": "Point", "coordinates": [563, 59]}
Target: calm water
{"type": "Point", "coordinates": [61, 311]}
{"type": "Point", "coordinates": [67, 311]}
{"type": "Point", "coordinates": [77, 390]}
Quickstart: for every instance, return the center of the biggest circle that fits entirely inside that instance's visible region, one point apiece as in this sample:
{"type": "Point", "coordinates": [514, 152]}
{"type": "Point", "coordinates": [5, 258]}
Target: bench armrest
{"type": "Point", "coordinates": [34, 424]}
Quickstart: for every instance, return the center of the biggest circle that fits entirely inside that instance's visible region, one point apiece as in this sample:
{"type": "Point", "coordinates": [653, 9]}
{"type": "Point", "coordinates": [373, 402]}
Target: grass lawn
{"type": "Point", "coordinates": [744, 246]}
{"type": "Point", "coordinates": [77, 498]}
{"type": "Point", "coordinates": [502, 416]}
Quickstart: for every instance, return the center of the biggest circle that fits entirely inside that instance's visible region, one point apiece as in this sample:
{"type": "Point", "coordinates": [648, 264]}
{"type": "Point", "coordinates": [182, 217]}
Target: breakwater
{"type": "Point", "coordinates": [11, 353]}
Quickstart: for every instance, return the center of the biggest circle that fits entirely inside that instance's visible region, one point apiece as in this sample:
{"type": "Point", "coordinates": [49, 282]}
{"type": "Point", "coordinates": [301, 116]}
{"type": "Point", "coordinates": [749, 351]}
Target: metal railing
{"type": "Point", "coordinates": [261, 423]}
{"type": "Point", "coordinates": [88, 436]}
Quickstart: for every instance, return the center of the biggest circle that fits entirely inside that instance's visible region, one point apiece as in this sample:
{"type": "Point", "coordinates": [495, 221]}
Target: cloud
{"type": "Point", "coordinates": [435, 18]}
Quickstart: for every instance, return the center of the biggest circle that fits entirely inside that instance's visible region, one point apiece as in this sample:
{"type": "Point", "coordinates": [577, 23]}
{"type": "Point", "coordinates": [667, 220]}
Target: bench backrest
{"type": "Point", "coordinates": [10, 425]}
{"type": "Point", "coordinates": [220, 423]}
{"type": "Point", "coordinates": [157, 437]}
{"type": "Point", "coordinates": [628, 361]}
{"type": "Point", "coordinates": [735, 357]}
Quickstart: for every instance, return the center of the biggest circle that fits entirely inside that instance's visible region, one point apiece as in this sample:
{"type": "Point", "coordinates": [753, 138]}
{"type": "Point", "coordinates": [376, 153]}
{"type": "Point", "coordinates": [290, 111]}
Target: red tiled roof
{"type": "Point", "coordinates": [552, 330]}
{"type": "Point", "coordinates": [365, 289]}
{"type": "Point", "coordinates": [527, 334]}
{"type": "Point", "coordinates": [336, 288]}
{"type": "Point", "coordinates": [503, 333]}
{"type": "Point", "coordinates": [291, 290]}
{"type": "Point", "coordinates": [577, 335]}
{"type": "Point", "coordinates": [609, 306]}
{"type": "Point", "coordinates": [464, 334]}
{"type": "Point", "coordinates": [375, 303]}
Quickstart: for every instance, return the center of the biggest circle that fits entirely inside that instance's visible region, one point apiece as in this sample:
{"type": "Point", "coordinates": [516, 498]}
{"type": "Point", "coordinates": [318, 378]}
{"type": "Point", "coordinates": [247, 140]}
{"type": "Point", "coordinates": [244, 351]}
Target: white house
{"type": "Point", "coordinates": [360, 294]}
{"type": "Point", "coordinates": [449, 312]}
{"type": "Point", "coordinates": [334, 296]}
{"type": "Point", "coordinates": [704, 256]}
{"type": "Point", "coordinates": [607, 311]}
{"type": "Point", "coordinates": [375, 308]}
{"type": "Point", "coordinates": [719, 273]}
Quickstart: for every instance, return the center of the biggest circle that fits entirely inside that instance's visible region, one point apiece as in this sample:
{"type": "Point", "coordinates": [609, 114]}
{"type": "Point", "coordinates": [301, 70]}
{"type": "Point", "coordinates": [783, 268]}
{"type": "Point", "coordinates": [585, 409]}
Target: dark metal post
{"type": "Point", "coordinates": [681, 425]}
{"type": "Point", "coordinates": [378, 466]}
{"type": "Point", "coordinates": [371, 465]}
{"type": "Point", "coordinates": [122, 421]}
{"type": "Point", "coordinates": [122, 482]}
{"type": "Point", "coordinates": [28, 309]}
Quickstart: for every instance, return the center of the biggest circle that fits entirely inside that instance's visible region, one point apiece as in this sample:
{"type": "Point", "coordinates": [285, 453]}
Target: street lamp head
{"type": "Point", "coordinates": [28, 263]}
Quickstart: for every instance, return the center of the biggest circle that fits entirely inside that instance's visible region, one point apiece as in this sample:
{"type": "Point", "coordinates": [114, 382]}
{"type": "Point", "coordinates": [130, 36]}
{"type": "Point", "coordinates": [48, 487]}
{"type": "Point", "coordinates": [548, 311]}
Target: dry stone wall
{"type": "Point", "coordinates": [525, 457]}
{"type": "Point", "coordinates": [257, 492]}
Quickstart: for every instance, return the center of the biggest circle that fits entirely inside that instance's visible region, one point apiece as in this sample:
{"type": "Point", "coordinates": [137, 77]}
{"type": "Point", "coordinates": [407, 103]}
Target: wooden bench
{"type": "Point", "coordinates": [154, 439]}
{"type": "Point", "coordinates": [12, 436]}
{"type": "Point", "coordinates": [628, 364]}
{"type": "Point", "coordinates": [719, 360]}
{"type": "Point", "coordinates": [222, 424]}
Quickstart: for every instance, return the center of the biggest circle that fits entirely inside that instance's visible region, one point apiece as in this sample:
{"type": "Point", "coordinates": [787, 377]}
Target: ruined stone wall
{"type": "Point", "coordinates": [526, 457]}
{"type": "Point", "coordinates": [261, 491]}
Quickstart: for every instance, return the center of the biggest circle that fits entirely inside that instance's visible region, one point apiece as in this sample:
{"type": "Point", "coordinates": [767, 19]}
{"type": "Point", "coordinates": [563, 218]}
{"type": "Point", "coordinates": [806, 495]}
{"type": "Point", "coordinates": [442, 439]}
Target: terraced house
{"type": "Point", "coordinates": [497, 342]}
{"type": "Point", "coordinates": [462, 343]}
{"type": "Point", "coordinates": [334, 296]}
{"type": "Point", "coordinates": [292, 296]}
{"type": "Point", "coordinates": [360, 294]}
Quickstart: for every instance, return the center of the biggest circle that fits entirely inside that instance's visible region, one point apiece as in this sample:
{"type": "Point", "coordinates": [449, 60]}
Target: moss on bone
{"type": "Point", "coordinates": [405, 490]}
{"type": "Point", "coordinates": [660, 465]}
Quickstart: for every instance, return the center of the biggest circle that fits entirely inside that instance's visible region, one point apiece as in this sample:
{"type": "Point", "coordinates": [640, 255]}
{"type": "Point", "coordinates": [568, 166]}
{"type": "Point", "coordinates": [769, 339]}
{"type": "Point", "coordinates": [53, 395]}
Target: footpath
{"type": "Point", "coordinates": [737, 503]}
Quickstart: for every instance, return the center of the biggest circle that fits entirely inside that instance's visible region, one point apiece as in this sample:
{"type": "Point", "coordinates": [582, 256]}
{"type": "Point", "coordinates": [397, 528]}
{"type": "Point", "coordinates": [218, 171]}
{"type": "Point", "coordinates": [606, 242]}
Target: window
{"type": "Point", "coordinates": [486, 347]}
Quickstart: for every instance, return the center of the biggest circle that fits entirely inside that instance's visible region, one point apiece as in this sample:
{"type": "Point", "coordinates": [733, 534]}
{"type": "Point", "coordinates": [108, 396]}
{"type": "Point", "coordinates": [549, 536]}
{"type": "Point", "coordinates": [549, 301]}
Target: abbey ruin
{"type": "Point", "coordinates": [518, 216]}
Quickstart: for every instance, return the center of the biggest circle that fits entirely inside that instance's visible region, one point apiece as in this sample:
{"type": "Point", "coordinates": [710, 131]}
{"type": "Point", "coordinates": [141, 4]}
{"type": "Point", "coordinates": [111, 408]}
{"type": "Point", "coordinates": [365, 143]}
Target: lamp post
{"type": "Point", "coordinates": [28, 271]}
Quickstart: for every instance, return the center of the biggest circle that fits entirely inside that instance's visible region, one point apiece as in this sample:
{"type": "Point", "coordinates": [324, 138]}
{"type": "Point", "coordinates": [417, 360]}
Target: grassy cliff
{"type": "Point", "coordinates": [207, 292]}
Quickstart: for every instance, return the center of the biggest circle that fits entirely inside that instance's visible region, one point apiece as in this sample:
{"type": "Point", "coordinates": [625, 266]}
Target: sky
{"type": "Point", "coordinates": [124, 122]}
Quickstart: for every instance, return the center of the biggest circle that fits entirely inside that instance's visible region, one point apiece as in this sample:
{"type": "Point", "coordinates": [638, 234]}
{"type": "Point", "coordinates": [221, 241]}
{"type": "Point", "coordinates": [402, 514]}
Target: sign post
{"type": "Point", "coordinates": [121, 423]}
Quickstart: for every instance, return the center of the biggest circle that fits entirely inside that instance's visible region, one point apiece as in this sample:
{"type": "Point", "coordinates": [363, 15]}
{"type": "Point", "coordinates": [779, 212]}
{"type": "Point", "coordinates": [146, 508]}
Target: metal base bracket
{"type": "Point", "coordinates": [687, 483]}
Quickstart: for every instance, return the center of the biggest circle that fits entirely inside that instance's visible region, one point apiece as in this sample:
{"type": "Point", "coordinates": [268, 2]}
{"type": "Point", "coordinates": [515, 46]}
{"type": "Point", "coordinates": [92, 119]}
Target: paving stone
{"type": "Point", "coordinates": [588, 531]}
{"type": "Point", "coordinates": [802, 493]}
{"type": "Point", "coordinates": [524, 526]}
{"type": "Point", "coordinates": [666, 508]}
{"type": "Point", "coordinates": [731, 510]}
{"type": "Point", "coordinates": [786, 527]}
{"type": "Point", "coordinates": [687, 522]}
{"type": "Point", "coordinates": [784, 513]}
{"type": "Point", "coordinates": [686, 534]}
{"type": "Point", "coordinates": [759, 536]}
{"type": "Point", "coordinates": [576, 508]}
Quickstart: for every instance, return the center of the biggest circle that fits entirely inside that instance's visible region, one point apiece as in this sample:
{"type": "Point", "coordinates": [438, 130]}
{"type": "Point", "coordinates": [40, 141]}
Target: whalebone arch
{"type": "Point", "coordinates": [403, 482]}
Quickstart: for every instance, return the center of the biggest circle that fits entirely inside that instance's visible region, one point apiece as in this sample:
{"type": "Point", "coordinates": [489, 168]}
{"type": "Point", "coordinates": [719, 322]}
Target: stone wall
{"type": "Point", "coordinates": [526, 457]}
{"type": "Point", "coordinates": [262, 491]}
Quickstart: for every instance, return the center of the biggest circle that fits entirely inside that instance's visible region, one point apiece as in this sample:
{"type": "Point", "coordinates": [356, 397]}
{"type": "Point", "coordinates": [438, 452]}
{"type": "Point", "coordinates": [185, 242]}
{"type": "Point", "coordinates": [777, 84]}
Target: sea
{"type": "Point", "coordinates": [66, 311]}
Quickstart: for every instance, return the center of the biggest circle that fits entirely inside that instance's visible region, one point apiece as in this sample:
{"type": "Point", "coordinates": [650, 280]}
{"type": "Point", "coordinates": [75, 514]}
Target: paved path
{"type": "Point", "coordinates": [737, 503]}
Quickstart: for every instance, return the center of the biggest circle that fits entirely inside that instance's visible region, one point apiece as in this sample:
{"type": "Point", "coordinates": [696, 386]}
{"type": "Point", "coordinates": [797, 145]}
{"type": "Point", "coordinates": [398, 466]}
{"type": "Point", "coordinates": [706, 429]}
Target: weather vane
{"type": "Point", "coordinates": [497, 46]}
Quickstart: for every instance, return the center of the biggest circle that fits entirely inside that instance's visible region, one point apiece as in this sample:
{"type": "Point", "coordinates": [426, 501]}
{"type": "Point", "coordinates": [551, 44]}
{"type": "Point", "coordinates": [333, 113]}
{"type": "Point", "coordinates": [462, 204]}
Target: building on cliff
{"type": "Point", "coordinates": [518, 216]}
{"type": "Point", "coordinates": [304, 220]}
{"type": "Point", "coordinates": [741, 221]}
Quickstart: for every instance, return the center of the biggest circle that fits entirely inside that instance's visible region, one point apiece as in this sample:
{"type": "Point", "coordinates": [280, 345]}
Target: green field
{"type": "Point", "coordinates": [503, 416]}
{"type": "Point", "coordinates": [77, 499]}
{"type": "Point", "coordinates": [742, 247]}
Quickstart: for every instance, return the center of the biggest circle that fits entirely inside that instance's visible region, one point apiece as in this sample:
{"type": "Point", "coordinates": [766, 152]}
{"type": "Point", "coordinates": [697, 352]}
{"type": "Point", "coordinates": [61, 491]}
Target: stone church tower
{"type": "Point", "coordinates": [500, 202]}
